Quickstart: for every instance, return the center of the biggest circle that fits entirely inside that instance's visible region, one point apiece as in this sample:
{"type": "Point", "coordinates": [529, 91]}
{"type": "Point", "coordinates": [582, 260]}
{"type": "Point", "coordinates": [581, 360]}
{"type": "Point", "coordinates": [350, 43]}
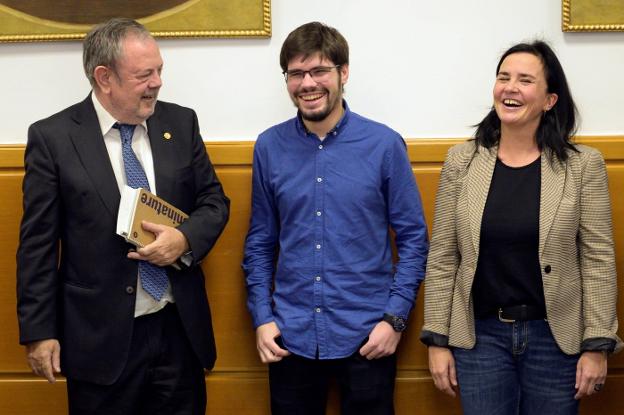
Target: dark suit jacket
{"type": "Point", "coordinates": [74, 282]}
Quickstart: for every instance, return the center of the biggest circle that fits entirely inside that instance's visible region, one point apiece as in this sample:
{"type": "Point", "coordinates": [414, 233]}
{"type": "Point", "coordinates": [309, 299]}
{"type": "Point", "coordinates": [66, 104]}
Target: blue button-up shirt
{"type": "Point", "coordinates": [318, 258]}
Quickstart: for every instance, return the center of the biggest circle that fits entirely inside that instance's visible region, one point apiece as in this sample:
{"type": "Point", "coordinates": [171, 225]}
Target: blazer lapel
{"type": "Point", "coordinates": [89, 144]}
{"type": "Point", "coordinates": [160, 137]}
{"type": "Point", "coordinates": [478, 185]}
{"type": "Point", "coordinates": [552, 182]}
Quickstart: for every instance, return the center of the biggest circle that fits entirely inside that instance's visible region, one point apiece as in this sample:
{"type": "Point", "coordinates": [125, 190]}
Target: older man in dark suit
{"type": "Point", "coordinates": [131, 332]}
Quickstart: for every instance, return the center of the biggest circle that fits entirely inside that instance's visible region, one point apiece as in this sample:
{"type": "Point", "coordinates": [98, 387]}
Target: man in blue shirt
{"type": "Point", "coordinates": [328, 185]}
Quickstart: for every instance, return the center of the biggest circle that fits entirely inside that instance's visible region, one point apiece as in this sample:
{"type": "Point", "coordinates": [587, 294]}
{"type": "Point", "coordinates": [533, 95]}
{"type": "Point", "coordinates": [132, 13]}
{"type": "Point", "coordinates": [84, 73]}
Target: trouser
{"type": "Point", "coordinates": [516, 368]}
{"type": "Point", "coordinates": [299, 385]}
{"type": "Point", "coordinates": [162, 374]}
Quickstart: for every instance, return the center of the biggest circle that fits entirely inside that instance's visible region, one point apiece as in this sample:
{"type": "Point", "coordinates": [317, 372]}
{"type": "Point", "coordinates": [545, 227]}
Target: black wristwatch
{"type": "Point", "coordinates": [399, 324]}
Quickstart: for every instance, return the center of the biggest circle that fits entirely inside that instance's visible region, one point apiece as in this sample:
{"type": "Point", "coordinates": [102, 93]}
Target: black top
{"type": "Point", "coordinates": [508, 272]}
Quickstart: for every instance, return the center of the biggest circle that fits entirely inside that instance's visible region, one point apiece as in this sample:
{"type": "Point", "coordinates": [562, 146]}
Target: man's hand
{"type": "Point", "coordinates": [442, 368]}
{"type": "Point", "coordinates": [44, 358]}
{"type": "Point", "coordinates": [169, 245]}
{"type": "Point", "coordinates": [591, 370]}
{"type": "Point", "coordinates": [382, 341]}
{"type": "Point", "coordinates": [268, 350]}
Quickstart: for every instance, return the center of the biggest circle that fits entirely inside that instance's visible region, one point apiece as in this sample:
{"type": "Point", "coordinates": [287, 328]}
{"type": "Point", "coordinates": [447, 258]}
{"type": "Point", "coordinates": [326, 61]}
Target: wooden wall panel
{"type": "Point", "coordinates": [238, 384]}
{"type": "Point", "coordinates": [11, 356]}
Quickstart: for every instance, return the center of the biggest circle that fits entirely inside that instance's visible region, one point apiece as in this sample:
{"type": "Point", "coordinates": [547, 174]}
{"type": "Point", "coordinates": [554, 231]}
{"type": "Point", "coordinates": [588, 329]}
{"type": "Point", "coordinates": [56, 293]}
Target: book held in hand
{"type": "Point", "coordinates": [139, 204]}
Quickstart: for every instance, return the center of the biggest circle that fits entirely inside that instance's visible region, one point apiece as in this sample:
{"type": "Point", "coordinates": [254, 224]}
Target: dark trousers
{"type": "Point", "coordinates": [162, 374]}
{"type": "Point", "coordinates": [299, 385]}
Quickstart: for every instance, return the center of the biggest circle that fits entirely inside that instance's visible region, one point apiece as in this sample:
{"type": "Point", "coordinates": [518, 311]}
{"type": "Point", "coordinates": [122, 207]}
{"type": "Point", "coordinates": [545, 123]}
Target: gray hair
{"type": "Point", "coordinates": [102, 45]}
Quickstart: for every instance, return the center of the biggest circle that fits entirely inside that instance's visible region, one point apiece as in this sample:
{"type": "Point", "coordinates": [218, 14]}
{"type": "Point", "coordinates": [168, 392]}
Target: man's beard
{"type": "Point", "coordinates": [317, 116]}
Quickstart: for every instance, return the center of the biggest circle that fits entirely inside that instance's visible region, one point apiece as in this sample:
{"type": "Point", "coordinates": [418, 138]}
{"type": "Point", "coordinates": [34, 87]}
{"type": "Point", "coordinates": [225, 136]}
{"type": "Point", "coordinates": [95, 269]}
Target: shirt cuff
{"type": "Point", "coordinates": [598, 344]}
{"type": "Point", "coordinates": [262, 315]}
{"type": "Point", "coordinates": [186, 259]}
{"type": "Point", "coordinates": [398, 306]}
{"type": "Point", "coordinates": [433, 339]}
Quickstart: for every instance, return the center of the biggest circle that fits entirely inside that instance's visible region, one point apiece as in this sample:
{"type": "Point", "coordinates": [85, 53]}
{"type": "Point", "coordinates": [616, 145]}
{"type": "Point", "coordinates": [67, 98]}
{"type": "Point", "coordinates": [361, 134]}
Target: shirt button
{"type": "Point", "coordinates": [335, 132]}
{"type": "Point", "coordinates": [547, 269]}
{"type": "Point", "coordinates": [319, 179]}
{"type": "Point", "coordinates": [317, 278]}
{"type": "Point", "coordinates": [318, 213]}
{"type": "Point", "coordinates": [130, 289]}
{"type": "Point", "coordinates": [317, 309]}
{"type": "Point", "coordinates": [318, 246]}
{"type": "Point", "coordinates": [320, 146]}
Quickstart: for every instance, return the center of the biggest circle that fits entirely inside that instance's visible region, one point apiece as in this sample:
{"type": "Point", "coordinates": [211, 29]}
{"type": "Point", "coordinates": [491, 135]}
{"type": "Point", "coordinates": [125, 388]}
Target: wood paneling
{"type": "Point", "coordinates": [238, 384]}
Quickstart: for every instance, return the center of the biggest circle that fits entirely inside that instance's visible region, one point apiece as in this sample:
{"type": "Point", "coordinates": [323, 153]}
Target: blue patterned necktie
{"type": "Point", "coordinates": [153, 278]}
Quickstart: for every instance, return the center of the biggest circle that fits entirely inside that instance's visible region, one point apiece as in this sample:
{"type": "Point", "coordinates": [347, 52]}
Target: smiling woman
{"type": "Point", "coordinates": [521, 277]}
{"type": "Point", "coordinates": [521, 96]}
{"type": "Point", "coordinates": [88, 12]}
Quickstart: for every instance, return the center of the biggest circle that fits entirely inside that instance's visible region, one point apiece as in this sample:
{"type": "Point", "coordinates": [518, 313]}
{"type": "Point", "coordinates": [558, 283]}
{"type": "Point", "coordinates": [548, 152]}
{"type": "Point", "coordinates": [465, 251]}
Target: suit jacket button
{"type": "Point", "coordinates": [547, 269]}
{"type": "Point", "coordinates": [130, 289]}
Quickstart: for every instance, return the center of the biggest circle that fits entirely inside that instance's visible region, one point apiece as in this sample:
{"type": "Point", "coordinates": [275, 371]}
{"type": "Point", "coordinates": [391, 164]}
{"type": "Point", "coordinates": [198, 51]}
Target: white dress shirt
{"type": "Point", "coordinates": [145, 303]}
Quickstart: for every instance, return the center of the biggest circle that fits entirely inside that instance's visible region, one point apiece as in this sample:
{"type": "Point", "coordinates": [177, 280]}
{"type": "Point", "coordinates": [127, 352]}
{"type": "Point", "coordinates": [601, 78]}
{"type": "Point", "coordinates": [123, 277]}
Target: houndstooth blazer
{"type": "Point", "coordinates": [576, 252]}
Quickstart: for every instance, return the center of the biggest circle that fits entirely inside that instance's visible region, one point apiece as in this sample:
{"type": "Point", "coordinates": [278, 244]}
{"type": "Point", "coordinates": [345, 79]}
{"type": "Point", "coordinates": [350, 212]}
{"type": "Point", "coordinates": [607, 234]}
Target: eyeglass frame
{"type": "Point", "coordinates": [288, 73]}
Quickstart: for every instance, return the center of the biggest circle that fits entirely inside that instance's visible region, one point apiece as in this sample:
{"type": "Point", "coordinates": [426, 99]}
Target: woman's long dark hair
{"type": "Point", "coordinates": [557, 125]}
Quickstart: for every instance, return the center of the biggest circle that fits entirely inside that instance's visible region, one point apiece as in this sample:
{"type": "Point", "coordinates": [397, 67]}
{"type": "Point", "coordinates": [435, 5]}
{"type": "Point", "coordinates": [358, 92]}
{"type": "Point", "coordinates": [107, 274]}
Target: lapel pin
{"type": "Point", "coordinates": [167, 135]}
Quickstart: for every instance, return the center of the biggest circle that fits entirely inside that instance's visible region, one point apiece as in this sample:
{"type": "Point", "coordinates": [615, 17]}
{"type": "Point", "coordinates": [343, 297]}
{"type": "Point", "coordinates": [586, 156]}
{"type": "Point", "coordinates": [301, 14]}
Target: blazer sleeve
{"type": "Point", "coordinates": [597, 256]}
{"type": "Point", "coordinates": [38, 251]}
{"type": "Point", "coordinates": [444, 256]}
{"type": "Point", "coordinates": [211, 208]}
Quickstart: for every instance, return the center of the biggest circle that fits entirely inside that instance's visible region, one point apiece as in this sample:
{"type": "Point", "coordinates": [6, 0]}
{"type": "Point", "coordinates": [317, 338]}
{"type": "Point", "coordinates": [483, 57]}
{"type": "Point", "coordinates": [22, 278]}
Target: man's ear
{"type": "Point", "coordinates": [344, 73]}
{"type": "Point", "coordinates": [103, 78]}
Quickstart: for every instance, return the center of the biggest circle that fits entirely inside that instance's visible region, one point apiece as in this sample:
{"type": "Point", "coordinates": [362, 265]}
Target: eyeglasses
{"type": "Point", "coordinates": [318, 74]}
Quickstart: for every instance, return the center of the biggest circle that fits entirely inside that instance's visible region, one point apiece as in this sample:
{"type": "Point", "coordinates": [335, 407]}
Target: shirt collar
{"type": "Point", "coordinates": [105, 119]}
{"type": "Point", "coordinates": [334, 131]}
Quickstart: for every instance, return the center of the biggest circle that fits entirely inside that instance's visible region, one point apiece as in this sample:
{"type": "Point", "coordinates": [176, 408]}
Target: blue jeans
{"type": "Point", "coordinates": [516, 368]}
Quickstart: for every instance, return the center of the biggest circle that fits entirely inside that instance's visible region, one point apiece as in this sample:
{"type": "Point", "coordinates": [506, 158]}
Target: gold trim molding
{"type": "Point", "coordinates": [592, 15]}
{"type": "Point", "coordinates": [190, 19]}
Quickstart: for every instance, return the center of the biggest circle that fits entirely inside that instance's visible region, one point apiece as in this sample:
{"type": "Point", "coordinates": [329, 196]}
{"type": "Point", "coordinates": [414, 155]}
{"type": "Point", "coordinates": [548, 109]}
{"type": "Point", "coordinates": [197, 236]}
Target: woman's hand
{"type": "Point", "coordinates": [591, 372]}
{"type": "Point", "coordinates": [442, 368]}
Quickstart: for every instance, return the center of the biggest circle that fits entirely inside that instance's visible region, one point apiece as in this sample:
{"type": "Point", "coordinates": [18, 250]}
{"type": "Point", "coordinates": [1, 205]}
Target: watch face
{"type": "Point", "coordinates": [399, 324]}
